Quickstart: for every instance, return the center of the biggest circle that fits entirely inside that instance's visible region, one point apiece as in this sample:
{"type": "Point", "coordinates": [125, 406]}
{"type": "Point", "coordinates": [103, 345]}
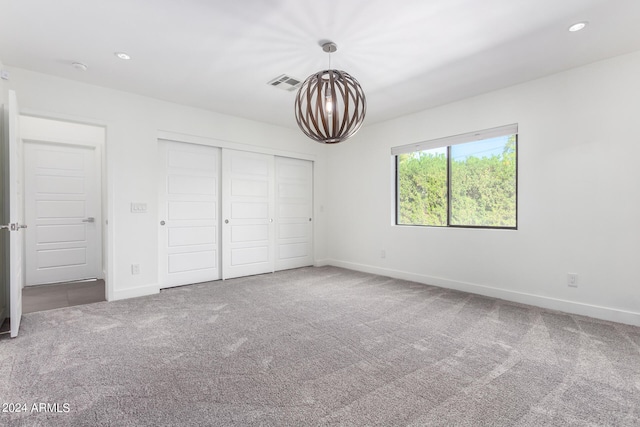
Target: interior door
{"type": "Point", "coordinates": [247, 213]}
{"type": "Point", "coordinates": [62, 207]}
{"type": "Point", "coordinates": [294, 208]}
{"type": "Point", "coordinates": [189, 219]}
{"type": "Point", "coordinates": [16, 226]}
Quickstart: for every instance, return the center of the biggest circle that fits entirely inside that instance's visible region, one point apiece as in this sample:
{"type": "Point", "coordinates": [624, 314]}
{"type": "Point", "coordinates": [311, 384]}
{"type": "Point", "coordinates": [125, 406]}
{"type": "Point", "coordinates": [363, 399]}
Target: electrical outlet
{"type": "Point", "coordinates": [572, 280]}
{"type": "Point", "coordinates": [135, 268]}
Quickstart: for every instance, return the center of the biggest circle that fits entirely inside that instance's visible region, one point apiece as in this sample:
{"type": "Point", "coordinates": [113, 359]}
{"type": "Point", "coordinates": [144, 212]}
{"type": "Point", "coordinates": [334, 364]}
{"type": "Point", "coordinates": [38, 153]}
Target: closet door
{"type": "Point", "coordinates": [294, 208]}
{"type": "Point", "coordinates": [189, 226]}
{"type": "Point", "coordinates": [247, 213]}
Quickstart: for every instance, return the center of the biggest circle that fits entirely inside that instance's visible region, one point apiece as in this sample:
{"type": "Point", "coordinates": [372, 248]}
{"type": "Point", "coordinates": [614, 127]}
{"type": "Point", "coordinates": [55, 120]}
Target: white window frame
{"type": "Point", "coordinates": [449, 141]}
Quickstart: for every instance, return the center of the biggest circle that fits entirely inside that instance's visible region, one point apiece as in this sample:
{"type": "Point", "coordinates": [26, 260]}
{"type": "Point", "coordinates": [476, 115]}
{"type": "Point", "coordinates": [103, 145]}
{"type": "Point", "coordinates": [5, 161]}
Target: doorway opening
{"type": "Point", "coordinates": [64, 211]}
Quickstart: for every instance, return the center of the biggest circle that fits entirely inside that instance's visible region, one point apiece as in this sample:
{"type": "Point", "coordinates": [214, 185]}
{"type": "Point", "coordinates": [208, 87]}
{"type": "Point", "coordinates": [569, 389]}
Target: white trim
{"type": "Point", "coordinates": [70, 118]}
{"type": "Point", "coordinates": [595, 311]}
{"type": "Point", "coordinates": [138, 291]}
{"type": "Point", "coordinates": [322, 262]}
{"type": "Point", "coordinates": [393, 191]}
{"type": "Point", "coordinates": [456, 139]}
{"type": "Point", "coordinates": [200, 140]}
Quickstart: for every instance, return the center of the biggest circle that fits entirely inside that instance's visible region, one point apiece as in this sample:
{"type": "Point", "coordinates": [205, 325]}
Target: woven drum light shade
{"type": "Point", "coordinates": [330, 106]}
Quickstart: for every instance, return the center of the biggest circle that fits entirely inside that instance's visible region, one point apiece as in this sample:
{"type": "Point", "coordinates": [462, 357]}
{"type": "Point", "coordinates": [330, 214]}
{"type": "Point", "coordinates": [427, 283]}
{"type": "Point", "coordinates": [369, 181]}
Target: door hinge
{"type": "Point", "coordinates": [12, 227]}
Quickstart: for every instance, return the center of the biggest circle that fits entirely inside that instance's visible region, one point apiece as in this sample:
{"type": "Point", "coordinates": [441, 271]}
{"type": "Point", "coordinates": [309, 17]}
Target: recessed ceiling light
{"type": "Point", "coordinates": [578, 26]}
{"type": "Point", "coordinates": [79, 66]}
{"type": "Point", "coordinates": [122, 55]}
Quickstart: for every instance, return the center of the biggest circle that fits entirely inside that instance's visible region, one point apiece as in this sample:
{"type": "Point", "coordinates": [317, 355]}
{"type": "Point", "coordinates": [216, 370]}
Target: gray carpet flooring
{"type": "Point", "coordinates": [318, 346]}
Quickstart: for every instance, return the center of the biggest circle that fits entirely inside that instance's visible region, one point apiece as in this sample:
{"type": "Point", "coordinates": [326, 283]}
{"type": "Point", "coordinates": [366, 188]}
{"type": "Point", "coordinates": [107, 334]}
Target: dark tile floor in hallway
{"type": "Point", "coordinates": [58, 295]}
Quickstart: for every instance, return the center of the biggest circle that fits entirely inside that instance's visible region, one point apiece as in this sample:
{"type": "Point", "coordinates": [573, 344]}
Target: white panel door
{"type": "Point", "coordinates": [294, 208]}
{"type": "Point", "coordinates": [15, 198]}
{"type": "Point", "coordinates": [62, 208]}
{"type": "Point", "coordinates": [248, 212]}
{"type": "Point", "coordinates": [189, 219]}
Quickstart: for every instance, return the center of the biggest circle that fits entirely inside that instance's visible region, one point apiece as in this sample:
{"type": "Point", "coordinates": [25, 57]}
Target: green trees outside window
{"type": "Point", "coordinates": [466, 185]}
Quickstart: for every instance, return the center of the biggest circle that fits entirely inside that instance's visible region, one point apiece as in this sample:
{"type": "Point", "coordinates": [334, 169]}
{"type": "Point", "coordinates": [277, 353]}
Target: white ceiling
{"type": "Point", "coordinates": [408, 55]}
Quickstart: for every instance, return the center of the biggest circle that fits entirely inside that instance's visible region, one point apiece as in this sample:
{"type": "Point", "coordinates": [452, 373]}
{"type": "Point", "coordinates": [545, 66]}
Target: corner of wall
{"type": "Point", "coordinates": [3, 84]}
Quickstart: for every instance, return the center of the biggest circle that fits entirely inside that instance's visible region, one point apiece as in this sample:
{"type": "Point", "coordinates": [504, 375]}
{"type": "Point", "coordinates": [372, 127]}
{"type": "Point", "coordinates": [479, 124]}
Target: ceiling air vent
{"type": "Point", "coordinates": [285, 82]}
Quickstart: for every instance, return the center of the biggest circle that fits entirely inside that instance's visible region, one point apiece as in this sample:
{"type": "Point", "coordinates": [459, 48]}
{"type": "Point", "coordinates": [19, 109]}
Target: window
{"type": "Point", "coordinates": [466, 180]}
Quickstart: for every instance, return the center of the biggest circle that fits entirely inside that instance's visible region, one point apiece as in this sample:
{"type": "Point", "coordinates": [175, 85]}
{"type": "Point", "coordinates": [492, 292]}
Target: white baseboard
{"type": "Point", "coordinates": [139, 291]}
{"type": "Point", "coordinates": [595, 311]}
{"type": "Point", "coordinates": [321, 262]}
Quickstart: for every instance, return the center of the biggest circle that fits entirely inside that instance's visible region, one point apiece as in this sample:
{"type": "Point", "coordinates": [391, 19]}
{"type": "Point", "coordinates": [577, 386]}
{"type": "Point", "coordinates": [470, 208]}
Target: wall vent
{"type": "Point", "coordinates": [285, 82]}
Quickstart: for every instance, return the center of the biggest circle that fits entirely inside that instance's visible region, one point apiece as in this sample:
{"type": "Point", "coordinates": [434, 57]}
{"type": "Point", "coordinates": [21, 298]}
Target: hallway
{"type": "Point", "coordinates": [58, 295]}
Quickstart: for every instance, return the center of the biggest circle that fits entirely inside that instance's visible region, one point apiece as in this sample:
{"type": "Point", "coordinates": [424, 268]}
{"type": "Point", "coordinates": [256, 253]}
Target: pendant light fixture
{"type": "Point", "coordinates": [330, 105]}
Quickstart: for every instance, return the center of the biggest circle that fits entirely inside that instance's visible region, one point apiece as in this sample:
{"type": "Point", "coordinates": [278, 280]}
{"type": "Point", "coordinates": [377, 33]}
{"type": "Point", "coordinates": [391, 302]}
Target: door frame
{"type": "Point", "coordinates": [104, 232]}
{"type": "Point", "coordinates": [4, 216]}
{"type": "Point", "coordinates": [285, 264]}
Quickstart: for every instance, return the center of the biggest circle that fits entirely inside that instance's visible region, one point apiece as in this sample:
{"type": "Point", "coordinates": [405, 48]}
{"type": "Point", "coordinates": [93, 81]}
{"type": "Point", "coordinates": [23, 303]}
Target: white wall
{"type": "Point", "coordinates": [133, 124]}
{"type": "Point", "coordinates": [3, 86]}
{"type": "Point", "coordinates": [579, 197]}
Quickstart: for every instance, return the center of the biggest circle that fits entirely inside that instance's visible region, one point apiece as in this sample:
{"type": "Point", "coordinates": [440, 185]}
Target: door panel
{"type": "Point", "coordinates": [250, 256]}
{"type": "Point", "coordinates": [190, 184]}
{"type": "Point", "coordinates": [189, 262]}
{"type": "Point", "coordinates": [61, 233]}
{"type": "Point", "coordinates": [16, 216]}
{"type": "Point", "coordinates": [294, 200]}
{"type": "Point", "coordinates": [248, 208]}
{"type": "Point", "coordinates": [292, 250]}
{"type": "Point", "coordinates": [62, 257]}
{"type": "Point", "coordinates": [188, 193]}
{"type": "Point", "coordinates": [61, 207]}
{"type": "Point", "coordinates": [250, 233]}
{"type": "Point", "coordinates": [46, 209]}
{"type": "Point", "coordinates": [179, 211]}
{"type": "Point", "coordinates": [59, 185]}
{"type": "Point", "coordinates": [245, 210]}
{"type": "Point", "coordinates": [185, 236]}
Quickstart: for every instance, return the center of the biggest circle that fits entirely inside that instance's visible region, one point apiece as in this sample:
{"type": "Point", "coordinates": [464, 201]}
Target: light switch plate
{"type": "Point", "coordinates": [138, 207]}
